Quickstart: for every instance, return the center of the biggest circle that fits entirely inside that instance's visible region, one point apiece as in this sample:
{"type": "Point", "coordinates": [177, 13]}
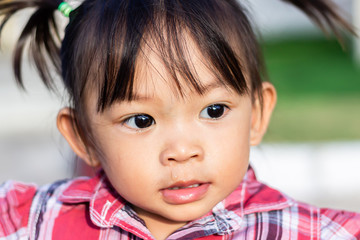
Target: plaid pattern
{"type": "Point", "coordinates": [86, 208]}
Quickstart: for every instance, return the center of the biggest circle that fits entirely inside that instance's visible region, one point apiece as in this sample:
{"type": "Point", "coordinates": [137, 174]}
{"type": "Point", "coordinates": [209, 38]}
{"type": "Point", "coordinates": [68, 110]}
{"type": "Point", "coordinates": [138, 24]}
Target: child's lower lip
{"type": "Point", "coordinates": [184, 195]}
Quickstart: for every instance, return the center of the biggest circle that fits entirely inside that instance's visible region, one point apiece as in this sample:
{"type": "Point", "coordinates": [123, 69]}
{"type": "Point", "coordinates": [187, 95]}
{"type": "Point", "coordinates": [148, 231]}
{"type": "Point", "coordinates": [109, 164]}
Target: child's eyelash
{"type": "Point", "coordinates": [215, 111]}
{"type": "Point", "coordinates": [138, 121]}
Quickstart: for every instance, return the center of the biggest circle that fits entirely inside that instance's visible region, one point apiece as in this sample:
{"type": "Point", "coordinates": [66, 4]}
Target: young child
{"type": "Point", "coordinates": [166, 97]}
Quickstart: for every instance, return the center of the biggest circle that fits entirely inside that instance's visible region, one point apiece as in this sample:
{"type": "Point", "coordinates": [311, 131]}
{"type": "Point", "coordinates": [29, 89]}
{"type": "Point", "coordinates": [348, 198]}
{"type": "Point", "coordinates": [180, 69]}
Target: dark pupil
{"type": "Point", "coordinates": [215, 111]}
{"type": "Point", "coordinates": [143, 121]}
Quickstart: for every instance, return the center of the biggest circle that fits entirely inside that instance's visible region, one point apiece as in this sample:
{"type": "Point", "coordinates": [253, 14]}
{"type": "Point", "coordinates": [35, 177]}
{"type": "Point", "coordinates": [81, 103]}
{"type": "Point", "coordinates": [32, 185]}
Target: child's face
{"type": "Point", "coordinates": [174, 158]}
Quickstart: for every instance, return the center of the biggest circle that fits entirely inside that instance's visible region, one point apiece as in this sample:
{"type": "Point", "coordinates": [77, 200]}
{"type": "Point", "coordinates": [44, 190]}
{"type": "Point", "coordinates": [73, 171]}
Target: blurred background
{"type": "Point", "coordinates": [311, 150]}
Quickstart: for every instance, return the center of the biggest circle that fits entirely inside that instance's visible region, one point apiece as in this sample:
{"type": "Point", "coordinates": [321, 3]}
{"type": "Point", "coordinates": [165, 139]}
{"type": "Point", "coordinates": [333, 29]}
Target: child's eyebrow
{"type": "Point", "coordinates": [204, 90]}
{"type": "Point", "coordinates": [211, 86]}
{"type": "Point", "coordinates": [139, 97]}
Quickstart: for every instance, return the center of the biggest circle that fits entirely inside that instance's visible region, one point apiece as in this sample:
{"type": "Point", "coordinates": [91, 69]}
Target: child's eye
{"type": "Point", "coordinates": [139, 121]}
{"type": "Point", "coordinates": [214, 111]}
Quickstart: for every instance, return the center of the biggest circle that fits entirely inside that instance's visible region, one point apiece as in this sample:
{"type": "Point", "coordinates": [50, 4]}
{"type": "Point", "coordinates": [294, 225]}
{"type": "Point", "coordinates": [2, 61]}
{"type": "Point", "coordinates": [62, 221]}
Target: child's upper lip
{"type": "Point", "coordinates": [184, 184]}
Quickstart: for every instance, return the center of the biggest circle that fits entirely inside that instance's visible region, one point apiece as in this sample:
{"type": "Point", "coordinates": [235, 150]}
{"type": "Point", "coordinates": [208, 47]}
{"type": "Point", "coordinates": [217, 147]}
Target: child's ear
{"type": "Point", "coordinates": [66, 125]}
{"type": "Point", "coordinates": [261, 117]}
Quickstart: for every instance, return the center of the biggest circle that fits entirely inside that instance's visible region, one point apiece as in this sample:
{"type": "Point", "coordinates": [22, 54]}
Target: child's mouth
{"type": "Point", "coordinates": [184, 192]}
{"type": "Point", "coordinates": [191, 186]}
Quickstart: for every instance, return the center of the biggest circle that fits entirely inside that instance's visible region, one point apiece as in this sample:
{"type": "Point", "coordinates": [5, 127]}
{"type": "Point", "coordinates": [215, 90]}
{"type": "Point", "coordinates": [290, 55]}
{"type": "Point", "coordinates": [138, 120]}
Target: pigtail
{"type": "Point", "coordinates": [325, 14]}
{"type": "Point", "coordinates": [42, 33]}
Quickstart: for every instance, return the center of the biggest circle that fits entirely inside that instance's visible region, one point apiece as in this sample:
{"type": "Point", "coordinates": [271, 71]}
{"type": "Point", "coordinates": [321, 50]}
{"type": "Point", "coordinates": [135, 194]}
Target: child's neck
{"type": "Point", "coordinates": [159, 227]}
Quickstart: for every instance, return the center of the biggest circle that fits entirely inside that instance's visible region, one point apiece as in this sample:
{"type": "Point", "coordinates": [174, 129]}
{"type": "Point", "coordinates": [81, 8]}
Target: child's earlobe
{"type": "Point", "coordinates": [66, 125]}
{"type": "Point", "coordinates": [261, 115]}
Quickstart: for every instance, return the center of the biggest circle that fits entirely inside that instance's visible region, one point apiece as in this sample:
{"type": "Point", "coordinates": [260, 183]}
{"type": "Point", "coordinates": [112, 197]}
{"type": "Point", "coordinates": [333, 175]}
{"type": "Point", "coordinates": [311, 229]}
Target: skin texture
{"type": "Point", "coordinates": [183, 145]}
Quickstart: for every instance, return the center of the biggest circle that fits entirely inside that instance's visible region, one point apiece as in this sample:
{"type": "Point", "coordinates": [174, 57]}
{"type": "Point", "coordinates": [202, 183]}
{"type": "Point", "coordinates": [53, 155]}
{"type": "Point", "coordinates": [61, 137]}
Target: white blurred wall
{"type": "Point", "coordinates": [277, 19]}
{"type": "Point", "coordinates": [356, 21]}
{"type": "Point", "coordinates": [323, 174]}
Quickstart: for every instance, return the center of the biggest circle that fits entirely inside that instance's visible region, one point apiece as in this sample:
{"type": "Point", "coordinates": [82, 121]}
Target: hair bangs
{"type": "Point", "coordinates": [165, 27]}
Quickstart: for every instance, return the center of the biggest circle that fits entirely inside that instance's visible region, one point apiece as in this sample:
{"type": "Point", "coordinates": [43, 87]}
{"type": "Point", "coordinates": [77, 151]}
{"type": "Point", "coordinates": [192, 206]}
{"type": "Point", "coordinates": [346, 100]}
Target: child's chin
{"type": "Point", "coordinates": [186, 214]}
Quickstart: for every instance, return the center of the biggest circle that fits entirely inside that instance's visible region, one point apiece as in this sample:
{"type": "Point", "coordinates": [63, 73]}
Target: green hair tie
{"type": "Point", "coordinates": [65, 8]}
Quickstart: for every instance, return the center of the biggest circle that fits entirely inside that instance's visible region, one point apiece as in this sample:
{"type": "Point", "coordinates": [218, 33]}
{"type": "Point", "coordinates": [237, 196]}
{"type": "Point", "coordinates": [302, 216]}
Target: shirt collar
{"type": "Point", "coordinates": [107, 208]}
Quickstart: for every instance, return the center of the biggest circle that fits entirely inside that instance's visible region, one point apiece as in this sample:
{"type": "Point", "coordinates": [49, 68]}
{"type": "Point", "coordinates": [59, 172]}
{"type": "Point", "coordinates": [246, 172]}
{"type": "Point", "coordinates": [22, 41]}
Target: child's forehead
{"type": "Point", "coordinates": [154, 67]}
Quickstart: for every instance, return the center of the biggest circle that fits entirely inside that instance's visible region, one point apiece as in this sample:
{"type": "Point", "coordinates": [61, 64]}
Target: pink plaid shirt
{"type": "Point", "coordinates": [88, 208]}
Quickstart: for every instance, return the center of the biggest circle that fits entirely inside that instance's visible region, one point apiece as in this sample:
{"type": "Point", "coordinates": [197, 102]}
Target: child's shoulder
{"type": "Point", "coordinates": [15, 203]}
{"type": "Point", "coordinates": [22, 205]}
{"type": "Point", "coordinates": [268, 212]}
{"type": "Point", "coordinates": [13, 193]}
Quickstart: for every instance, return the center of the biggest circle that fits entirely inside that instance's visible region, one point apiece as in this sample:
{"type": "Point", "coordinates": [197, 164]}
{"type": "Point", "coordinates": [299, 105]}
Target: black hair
{"type": "Point", "coordinates": [104, 38]}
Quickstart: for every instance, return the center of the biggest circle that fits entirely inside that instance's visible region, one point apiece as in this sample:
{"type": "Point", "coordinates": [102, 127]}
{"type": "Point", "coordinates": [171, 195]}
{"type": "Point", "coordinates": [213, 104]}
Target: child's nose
{"type": "Point", "coordinates": [181, 150]}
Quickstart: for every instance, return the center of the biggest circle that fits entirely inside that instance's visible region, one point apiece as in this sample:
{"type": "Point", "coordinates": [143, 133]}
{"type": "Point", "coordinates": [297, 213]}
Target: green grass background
{"type": "Point", "coordinates": [318, 86]}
